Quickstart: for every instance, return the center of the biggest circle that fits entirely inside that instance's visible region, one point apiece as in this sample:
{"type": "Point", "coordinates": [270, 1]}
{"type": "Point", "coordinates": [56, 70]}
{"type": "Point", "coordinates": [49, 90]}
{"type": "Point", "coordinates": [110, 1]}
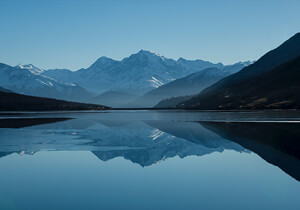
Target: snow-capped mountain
{"type": "Point", "coordinates": [136, 74]}
{"type": "Point", "coordinates": [188, 85]}
{"type": "Point", "coordinates": [33, 69]}
{"type": "Point", "coordinates": [27, 79]}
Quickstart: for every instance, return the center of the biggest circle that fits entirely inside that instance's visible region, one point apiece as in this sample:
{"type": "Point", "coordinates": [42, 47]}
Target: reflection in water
{"type": "Point", "coordinates": [277, 143]}
{"type": "Point", "coordinates": [25, 122]}
{"type": "Point", "coordinates": [147, 142]}
{"type": "Point", "coordinates": [144, 143]}
{"type": "Point", "coordinates": [185, 164]}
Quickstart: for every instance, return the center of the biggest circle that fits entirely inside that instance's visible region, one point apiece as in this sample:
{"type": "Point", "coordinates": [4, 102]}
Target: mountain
{"type": "Point", "coordinates": [171, 103]}
{"type": "Point", "coordinates": [16, 102]}
{"type": "Point", "coordinates": [30, 67]}
{"type": "Point", "coordinates": [271, 82]}
{"type": "Point", "coordinates": [114, 99]}
{"type": "Point", "coordinates": [188, 85]}
{"type": "Point", "coordinates": [5, 90]}
{"type": "Point", "coordinates": [28, 80]}
{"type": "Point", "coordinates": [136, 74]}
{"type": "Point", "coordinates": [61, 75]}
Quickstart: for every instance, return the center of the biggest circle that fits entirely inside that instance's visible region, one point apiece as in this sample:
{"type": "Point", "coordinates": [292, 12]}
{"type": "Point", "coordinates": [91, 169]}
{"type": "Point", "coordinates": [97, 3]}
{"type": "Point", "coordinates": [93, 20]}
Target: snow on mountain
{"type": "Point", "coordinates": [188, 85]}
{"type": "Point", "coordinates": [136, 74]}
{"type": "Point", "coordinates": [27, 79]}
{"type": "Point", "coordinates": [33, 69]}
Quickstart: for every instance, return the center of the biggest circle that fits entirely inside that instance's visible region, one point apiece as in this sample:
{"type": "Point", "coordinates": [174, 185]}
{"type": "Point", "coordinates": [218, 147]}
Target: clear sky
{"type": "Point", "coordinates": [74, 33]}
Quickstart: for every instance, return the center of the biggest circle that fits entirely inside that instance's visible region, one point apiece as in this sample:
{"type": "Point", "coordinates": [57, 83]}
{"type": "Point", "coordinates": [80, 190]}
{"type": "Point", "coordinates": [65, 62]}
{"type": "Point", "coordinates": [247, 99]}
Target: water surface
{"type": "Point", "coordinates": [150, 160]}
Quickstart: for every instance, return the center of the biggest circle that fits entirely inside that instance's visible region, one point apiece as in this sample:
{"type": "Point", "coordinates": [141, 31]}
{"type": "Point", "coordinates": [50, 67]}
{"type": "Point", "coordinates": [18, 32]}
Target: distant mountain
{"type": "Point", "coordinates": [136, 74]}
{"type": "Point", "coordinates": [271, 82]}
{"type": "Point", "coordinates": [30, 67]}
{"type": "Point", "coordinates": [28, 80]}
{"type": "Point", "coordinates": [172, 102]}
{"type": "Point", "coordinates": [61, 75]}
{"type": "Point", "coordinates": [114, 99]}
{"type": "Point", "coordinates": [189, 85]}
{"type": "Point", "coordinates": [17, 102]}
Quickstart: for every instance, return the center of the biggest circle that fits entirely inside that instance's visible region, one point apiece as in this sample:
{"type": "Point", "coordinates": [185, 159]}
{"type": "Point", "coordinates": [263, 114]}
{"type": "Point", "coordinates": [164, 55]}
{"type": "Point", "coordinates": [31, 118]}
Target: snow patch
{"type": "Point", "coordinates": [155, 82]}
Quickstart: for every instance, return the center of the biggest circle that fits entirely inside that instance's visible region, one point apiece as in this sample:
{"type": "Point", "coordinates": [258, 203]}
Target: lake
{"type": "Point", "coordinates": [150, 160]}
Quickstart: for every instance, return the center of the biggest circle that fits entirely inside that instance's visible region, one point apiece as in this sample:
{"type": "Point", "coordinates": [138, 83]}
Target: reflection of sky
{"type": "Point", "coordinates": [77, 180]}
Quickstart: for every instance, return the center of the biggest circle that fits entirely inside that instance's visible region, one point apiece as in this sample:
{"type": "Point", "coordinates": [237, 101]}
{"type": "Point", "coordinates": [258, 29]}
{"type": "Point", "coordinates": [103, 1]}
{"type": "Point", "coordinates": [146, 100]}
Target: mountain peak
{"type": "Point", "coordinates": [102, 62]}
{"type": "Point", "coordinates": [104, 59]}
{"type": "Point", "coordinates": [143, 57]}
{"type": "Point", "coordinates": [145, 52]}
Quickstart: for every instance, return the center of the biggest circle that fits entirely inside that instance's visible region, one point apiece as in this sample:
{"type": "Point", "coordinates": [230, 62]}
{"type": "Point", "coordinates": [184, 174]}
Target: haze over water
{"type": "Point", "coordinates": [150, 160]}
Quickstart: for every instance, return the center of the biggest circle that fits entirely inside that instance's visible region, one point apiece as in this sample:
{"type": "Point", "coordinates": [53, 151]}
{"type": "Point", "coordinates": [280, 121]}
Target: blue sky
{"type": "Point", "coordinates": [74, 33]}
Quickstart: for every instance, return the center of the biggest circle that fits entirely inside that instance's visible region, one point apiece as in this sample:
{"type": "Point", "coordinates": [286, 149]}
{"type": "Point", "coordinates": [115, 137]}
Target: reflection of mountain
{"type": "Point", "coordinates": [277, 143]}
{"type": "Point", "coordinates": [195, 133]}
{"type": "Point", "coordinates": [25, 122]}
{"type": "Point", "coordinates": [134, 140]}
{"type": "Point", "coordinates": [3, 154]}
{"type": "Point", "coordinates": [150, 141]}
{"type": "Point", "coordinates": [145, 145]}
{"type": "Point", "coordinates": [153, 145]}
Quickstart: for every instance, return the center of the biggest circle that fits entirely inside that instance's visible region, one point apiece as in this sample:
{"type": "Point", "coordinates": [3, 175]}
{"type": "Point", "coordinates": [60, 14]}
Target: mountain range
{"type": "Point", "coordinates": [130, 81]}
{"type": "Point", "coordinates": [272, 82]}
{"type": "Point", "coordinates": [125, 83]}
{"type": "Point", "coordinates": [188, 85]}
{"type": "Point", "coordinates": [136, 74]}
{"type": "Point", "coordinates": [28, 80]}
{"type": "Point", "coordinates": [145, 79]}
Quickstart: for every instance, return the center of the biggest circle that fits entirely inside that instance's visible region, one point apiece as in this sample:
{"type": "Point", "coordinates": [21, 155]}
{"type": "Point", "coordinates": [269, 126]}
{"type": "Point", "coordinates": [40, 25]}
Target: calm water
{"type": "Point", "coordinates": [150, 160]}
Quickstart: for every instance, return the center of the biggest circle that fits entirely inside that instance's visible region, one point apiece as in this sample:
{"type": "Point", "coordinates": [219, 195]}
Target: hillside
{"type": "Point", "coordinates": [270, 83]}
{"type": "Point", "coordinates": [188, 85]}
{"type": "Point", "coordinates": [114, 99]}
{"type": "Point", "coordinates": [17, 102]}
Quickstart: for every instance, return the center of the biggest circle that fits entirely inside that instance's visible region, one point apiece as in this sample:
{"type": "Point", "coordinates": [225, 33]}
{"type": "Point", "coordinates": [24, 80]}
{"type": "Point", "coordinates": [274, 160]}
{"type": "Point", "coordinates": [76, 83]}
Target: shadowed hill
{"type": "Point", "coordinates": [17, 102]}
{"type": "Point", "coordinates": [271, 82]}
